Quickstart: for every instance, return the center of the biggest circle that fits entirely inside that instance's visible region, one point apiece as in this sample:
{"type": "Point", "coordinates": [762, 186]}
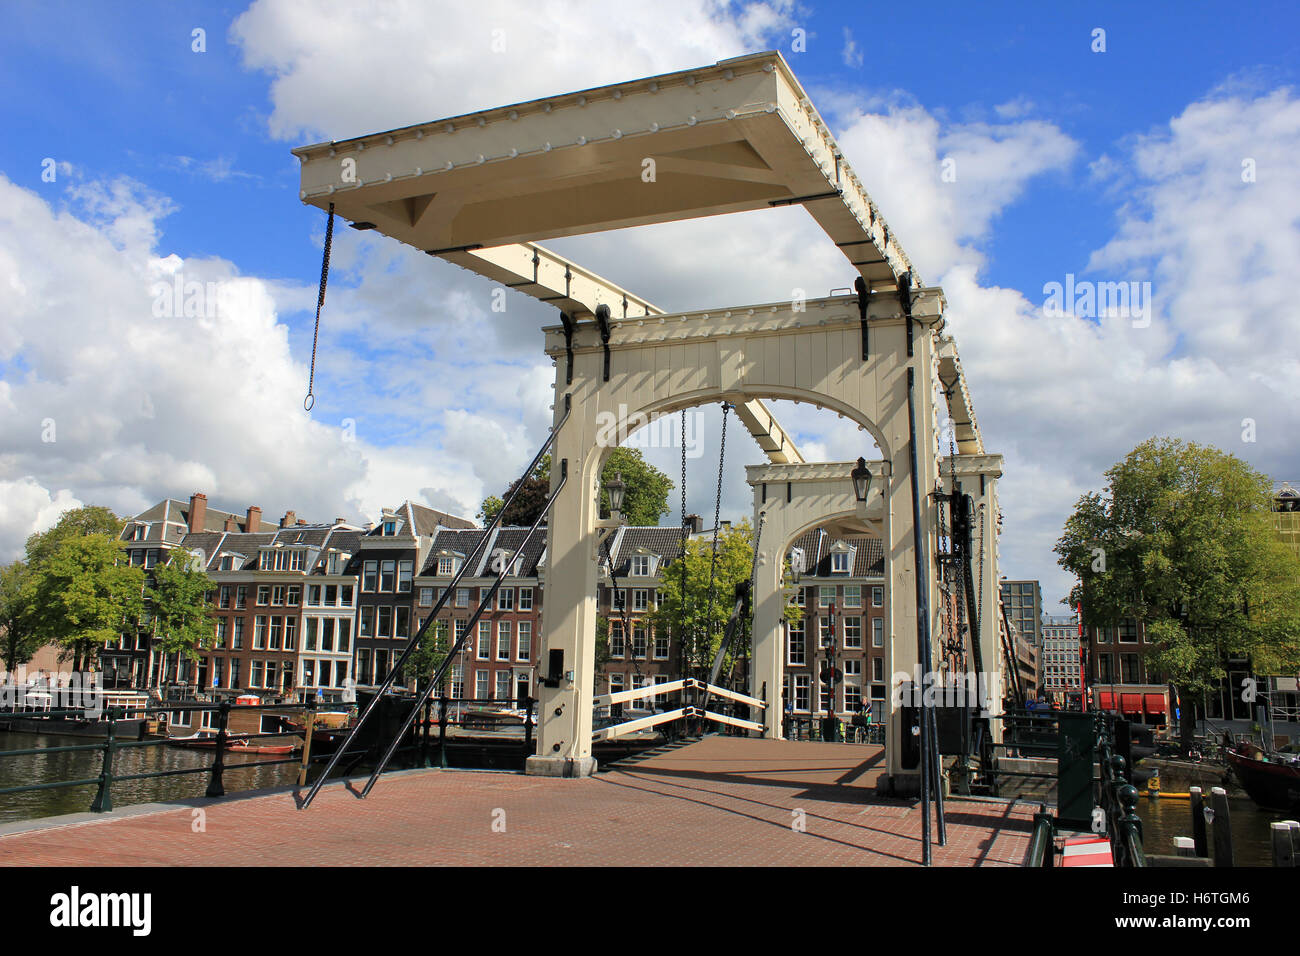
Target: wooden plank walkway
{"type": "Point", "coordinates": [723, 801]}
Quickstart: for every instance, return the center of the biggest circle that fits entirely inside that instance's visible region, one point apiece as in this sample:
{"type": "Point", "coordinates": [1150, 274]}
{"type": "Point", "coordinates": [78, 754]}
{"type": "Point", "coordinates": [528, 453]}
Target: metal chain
{"type": "Point", "coordinates": [717, 515]}
{"type": "Point", "coordinates": [681, 638]}
{"type": "Point", "coordinates": [310, 401]}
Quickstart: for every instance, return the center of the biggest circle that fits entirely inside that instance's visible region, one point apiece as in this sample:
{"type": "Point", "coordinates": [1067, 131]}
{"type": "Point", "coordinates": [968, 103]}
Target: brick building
{"type": "Point", "coordinates": [387, 559]}
{"type": "Point", "coordinates": [843, 597]}
{"type": "Point", "coordinates": [499, 659]}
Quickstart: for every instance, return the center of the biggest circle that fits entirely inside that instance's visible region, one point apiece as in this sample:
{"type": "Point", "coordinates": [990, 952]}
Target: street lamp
{"type": "Point", "coordinates": [617, 489]}
{"type": "Point", "coordinates": [861, 480]}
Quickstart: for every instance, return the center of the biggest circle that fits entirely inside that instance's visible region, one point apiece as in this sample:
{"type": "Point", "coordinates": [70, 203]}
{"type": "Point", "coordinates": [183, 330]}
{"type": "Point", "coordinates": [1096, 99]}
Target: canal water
{"type": "Point", "coordinates": [49, 767]}
{"type": "Point", "coordinates": [1164, 819]}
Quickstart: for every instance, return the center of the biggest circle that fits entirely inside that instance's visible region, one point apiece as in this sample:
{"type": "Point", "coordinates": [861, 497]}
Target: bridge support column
{"type": "Point", "coordinates": [566, 688]}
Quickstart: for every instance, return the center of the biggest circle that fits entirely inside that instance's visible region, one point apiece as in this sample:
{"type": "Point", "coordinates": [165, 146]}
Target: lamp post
{"type": "Point", "coordinates": [861, 476]}
{"type": "Point", "coordinates": [617, 489]}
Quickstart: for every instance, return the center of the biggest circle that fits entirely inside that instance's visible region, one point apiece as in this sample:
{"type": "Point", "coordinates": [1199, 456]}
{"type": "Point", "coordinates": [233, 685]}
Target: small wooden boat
{"type": "Point", "coordinates": [235, 743]}
{"type": "Point", "coordinates": [1267, 779]}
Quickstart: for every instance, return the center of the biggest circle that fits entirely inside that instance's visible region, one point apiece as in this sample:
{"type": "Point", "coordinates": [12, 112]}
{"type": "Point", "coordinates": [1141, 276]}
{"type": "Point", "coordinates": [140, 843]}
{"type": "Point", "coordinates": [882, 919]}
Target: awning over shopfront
{"type": "Point", "coordinates": [1155, 704]}
{"type": "Point", "coordinates": [1130, 703]}
{"type": "Point", "coordinates": [1107, 700]}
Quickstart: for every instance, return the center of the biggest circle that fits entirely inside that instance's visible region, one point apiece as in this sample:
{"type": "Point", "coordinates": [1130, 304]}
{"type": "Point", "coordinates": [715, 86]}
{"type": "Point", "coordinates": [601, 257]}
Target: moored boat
{"type": "Point", "coordinates": [1272, 781]}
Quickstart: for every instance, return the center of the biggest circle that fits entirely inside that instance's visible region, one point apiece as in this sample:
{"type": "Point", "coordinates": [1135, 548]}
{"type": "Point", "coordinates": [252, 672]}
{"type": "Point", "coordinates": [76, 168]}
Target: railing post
{"type": "Point", "coordinates": [1283, 848]}
{"type": "Point", "coordinates": [528, 727]}
{"type": "Point", "coordinates": [1131, 827]}
{"type": "Point", "coordinates": [1199, 839]}
{"type": "Point", "coordinates": [306, 743]}
{"type": "Point", "coordinates": [442, 731]}
{"type": "Point", "coordinates": [1222, 828]}
{"type": "Point", "coordinates": [216, 786]}
{"type": "Point", "coordinates": [424, 733]}
{"type": "Point", "coordinates": [104, 796]}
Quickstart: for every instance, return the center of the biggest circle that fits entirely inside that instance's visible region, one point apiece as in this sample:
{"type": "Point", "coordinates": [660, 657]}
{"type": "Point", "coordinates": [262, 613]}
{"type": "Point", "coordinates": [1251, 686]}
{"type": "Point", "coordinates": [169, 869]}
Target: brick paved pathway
{"type": "Point", "coordinates": [722, 801]}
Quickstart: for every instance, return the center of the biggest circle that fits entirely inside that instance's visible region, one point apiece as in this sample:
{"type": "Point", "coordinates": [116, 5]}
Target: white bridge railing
{"type": "Point", "coordinates": [687, 685]}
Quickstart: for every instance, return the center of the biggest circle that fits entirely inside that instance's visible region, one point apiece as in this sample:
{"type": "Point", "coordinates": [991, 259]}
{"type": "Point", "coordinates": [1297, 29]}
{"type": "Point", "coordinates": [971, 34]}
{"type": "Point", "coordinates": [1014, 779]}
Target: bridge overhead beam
{"type": "Point", "coordinates": [739, 135]}
{"type": "Point", "coordinates": [961, 410]}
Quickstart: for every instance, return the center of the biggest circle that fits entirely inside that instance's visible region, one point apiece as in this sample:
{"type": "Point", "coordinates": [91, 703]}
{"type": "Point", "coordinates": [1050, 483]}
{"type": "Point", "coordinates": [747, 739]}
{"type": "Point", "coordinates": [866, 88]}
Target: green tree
{"type": "Point", "coordinates": [18, 640]}
{"type": "Point", "coordinates": [1182, 541]}
{"type": "Point", "coordinates": [429, 656]}
{"type": "Point", "coordinates": [644, 502]}
{"type": "Point", "coordinates": [646, 498]}
{"type": "Point", "coordinates": [177, 605]}
{"type": "Point", "coordinates": [705, 620]}
{"type": "Point", "coordinates": [74, 523]}
{"type": "Point", "coordinates": [84, 594]}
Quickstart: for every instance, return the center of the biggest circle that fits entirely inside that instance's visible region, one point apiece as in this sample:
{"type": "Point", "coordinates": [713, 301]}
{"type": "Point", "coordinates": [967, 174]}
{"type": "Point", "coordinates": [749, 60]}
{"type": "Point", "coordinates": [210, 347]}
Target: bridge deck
{"type": "Point", "coordinates": [720, 801]}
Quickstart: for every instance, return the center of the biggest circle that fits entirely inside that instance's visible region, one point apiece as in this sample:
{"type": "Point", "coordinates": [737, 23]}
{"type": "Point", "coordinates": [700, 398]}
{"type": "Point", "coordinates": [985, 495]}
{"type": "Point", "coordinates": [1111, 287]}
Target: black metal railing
{"type": "Point", "coordinates": [845, 731]}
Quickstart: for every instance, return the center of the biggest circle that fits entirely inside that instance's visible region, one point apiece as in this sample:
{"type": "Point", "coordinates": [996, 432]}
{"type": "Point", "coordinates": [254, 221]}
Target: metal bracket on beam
{"type": "Point", "coordinates": [863, 289]}
{"type": "Point", "coordinates": [567, 322]}
{"type": "Point", "coordinates": [905, 300]}
{"type": "Point", "coordinates": [795, 200]}
{"type": "Point", "coordinates": [470, 248]}
{"type": "Point", "coordinates": [602, 319]}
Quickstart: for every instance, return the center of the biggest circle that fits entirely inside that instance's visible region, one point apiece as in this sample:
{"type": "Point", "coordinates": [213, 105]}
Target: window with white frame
{"type": "Point", "coordinates": [617, 683]}
{"type": "Point", "coordinates": [506, 599]}
{"type": "Point", "coordinates": [404, 571]}
{"type": "Point", "coordinates": [484, 651]}
{"type": "Point", "coordinates": [525, 599]}
{"type": "Point", "coordinates": [426, 597]}
{"type": "Point", "coordinates": [825, 595]}
{"type": "Point", "coordinates": [661, 644]}
{"type": "Point", "coordinates": [802, 692]}
{"type": "Point", "coordinates": [481, 684]}
{"type": "Point", "coordinates": [877, 632]}
{"type": "Point", "coordinates": [640, 599]}
{"type": "Point", "coordinates": [504, 640]}
{"type": "Point", "coordinates": [640, 565]}
{"type": "Point", "coordinates": [796, 643]}
{"type": "Point", "coordinates": [853, 633]}
{"type": "Point", "coordinates": [853, 595]}
{"type": "Point", "coordinates": [524, 646]}
{"type": "Point", "coordinates": [840, 562]}
{"type": "Point", "coordinates": [615, 638]}
{"type": "Point", "coordinates": [639, 641]}
{"type": "Point", "coordinates": [446, 566]}
{"type": "Point", "coordinates": [462, 597]}
{"type": "Point", "coordinates": [825, 634]}
{"type": "Point", "coordinates": [877, 597]}
{"type": "Point", "coordinates": [369, 575]}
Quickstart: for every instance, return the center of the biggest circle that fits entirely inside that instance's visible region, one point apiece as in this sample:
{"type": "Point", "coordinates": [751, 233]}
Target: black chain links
{"type": "Point", "coordinates": [310, 401]}
{"type": "Point", "coordinates": [717, 515]}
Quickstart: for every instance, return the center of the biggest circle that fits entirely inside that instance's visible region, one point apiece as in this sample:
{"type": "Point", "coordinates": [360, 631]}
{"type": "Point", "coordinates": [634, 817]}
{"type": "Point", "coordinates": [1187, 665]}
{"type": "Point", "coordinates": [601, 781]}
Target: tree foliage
{"type": "Point", "coordinates": [177, 604]}
{"type": "Point", "coordinates": [1182, 540]}
{"type": "Point", "coordinates": [705, 622]}
{"type": "Point", "coordinates": [644, 503]}
{"type": "Point", "coordinates": [84, 595]}
{"type": "Point", "coordinates": [74, 523]}
{"type": "Point", "coordinates": [18, 638]}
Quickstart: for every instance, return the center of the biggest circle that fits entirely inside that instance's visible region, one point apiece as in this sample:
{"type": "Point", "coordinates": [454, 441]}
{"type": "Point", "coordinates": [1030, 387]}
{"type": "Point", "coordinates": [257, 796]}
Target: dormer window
{"type": "Point", "coordinates": [389, 527]}
{"type": "Point", "coordinates": [641, 565]}
{"type": "Point", "coordinates": [446, 566]}
{"type": "Point", "coordinates": [840, 563]}
{"type": "Point", "coordinates": [138, 532]}
{"type": "Point", "coordinates": [227, 562]}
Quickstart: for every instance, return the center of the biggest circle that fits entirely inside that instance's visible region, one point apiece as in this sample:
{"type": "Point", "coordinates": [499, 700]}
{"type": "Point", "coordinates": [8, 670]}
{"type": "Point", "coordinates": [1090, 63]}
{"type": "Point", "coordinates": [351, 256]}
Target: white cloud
{"type": "Point", "coordinates": [25, 509]}
{"type": "Point", "coordinates": [851, 55]}
{"type": "Point", "coordinates": [343, 69]}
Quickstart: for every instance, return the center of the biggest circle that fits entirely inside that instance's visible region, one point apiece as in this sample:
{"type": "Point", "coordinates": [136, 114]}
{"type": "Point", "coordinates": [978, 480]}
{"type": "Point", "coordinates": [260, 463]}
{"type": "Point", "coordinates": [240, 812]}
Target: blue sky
{"type": "Point", "coordinates": [1098, 164]}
